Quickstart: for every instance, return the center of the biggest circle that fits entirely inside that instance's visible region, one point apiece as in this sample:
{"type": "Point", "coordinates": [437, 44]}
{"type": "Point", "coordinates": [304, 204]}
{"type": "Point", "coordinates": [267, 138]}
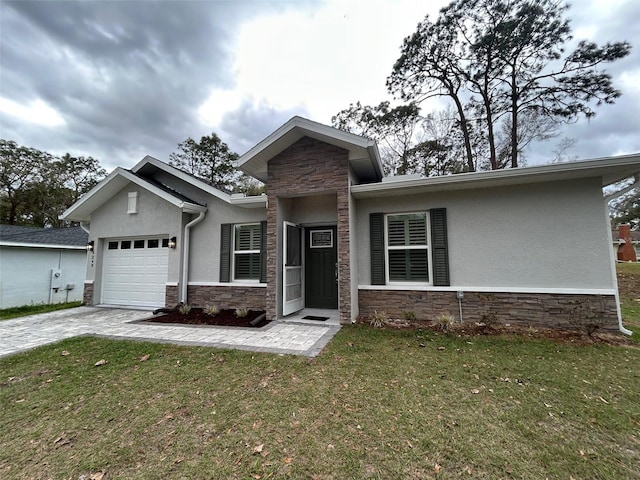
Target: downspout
{"type": "Point", "coordinates": [82, 226]}
{"type": "Point", "coordinates": [185, 255]}
{"type": "Point", "coordinates": [607, 200]}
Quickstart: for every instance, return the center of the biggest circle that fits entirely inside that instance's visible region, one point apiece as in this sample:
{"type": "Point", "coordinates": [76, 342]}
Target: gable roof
{"type": "Point", "coordinates": [12, 235]}
{"type": "Point", "coordinates": [149, 165]}
{"type": "Point", "coordinates": [610, 170]}
{"type": "Point", "coordinates": [118, 179]}
{"type": "Point", "coordinates": [364, 157]}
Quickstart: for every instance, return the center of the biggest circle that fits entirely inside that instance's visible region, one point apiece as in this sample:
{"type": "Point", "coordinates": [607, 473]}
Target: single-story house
{"type": "Point", "coordinates": [41, 265]}
{"type": "Point", "coordinates": [333, 233]}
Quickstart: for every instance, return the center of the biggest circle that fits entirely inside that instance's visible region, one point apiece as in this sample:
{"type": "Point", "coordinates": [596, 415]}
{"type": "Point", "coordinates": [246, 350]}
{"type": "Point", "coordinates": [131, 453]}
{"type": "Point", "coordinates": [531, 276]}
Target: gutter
{"type": "Point", "coordinates": [182, 297]}
{"type": "Point", "coordinates": [607, 200]}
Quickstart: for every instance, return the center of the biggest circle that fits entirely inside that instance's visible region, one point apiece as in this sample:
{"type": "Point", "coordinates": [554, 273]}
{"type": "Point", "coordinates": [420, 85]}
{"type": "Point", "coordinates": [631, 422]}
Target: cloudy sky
{"type": "Point", "coordinates": [117, 80]}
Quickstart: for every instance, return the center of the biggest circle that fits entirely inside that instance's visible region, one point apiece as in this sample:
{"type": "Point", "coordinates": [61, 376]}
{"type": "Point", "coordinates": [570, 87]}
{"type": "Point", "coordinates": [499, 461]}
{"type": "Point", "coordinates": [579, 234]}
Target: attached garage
{"type": "Point", "coordinates": [135, 271]}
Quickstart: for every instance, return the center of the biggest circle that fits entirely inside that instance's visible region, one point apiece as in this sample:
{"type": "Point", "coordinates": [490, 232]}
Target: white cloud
{"type": "Point", "coordinates": [319, 61]}
{"type": "Point", "coordinates": [35, 112]}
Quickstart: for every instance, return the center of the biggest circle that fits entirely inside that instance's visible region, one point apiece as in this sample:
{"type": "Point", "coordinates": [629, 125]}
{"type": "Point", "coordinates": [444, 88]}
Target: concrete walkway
{"type": "Point", "coordinates": [29, 332]}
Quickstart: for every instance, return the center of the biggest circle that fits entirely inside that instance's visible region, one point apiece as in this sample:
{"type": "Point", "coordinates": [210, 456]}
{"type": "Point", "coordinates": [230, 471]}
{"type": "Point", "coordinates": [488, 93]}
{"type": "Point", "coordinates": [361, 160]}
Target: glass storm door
{"type": "Point", "coordinates": [292, 280]}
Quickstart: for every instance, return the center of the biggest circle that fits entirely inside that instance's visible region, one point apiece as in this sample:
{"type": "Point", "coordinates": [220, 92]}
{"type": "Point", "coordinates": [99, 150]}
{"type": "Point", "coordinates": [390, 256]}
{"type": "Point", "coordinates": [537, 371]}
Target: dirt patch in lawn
{"type": "Point", "coordinates": [575, 337]}
{"type": "Point", "coordinates": [629, 285]}
{"type": "Point", "coordinates": [224, 318]}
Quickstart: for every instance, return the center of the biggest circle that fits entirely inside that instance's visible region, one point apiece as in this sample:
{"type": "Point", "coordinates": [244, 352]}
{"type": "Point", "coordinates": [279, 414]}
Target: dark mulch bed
{"type": "Point", "coordinates": [197, 316]}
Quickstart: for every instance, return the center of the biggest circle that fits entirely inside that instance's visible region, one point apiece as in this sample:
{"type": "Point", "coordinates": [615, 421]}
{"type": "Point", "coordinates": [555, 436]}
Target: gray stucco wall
{"type": "Point", "coordinates": [155, 217]}
{"type": "Point", "coordinates": [204, 261]}
{"type": "Point", "coordinates": [551, 235]}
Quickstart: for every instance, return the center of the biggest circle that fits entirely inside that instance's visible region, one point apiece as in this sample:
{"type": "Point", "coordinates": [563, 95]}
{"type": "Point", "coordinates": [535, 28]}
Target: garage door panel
{"type": "Point", "coordinates": [134, 276]}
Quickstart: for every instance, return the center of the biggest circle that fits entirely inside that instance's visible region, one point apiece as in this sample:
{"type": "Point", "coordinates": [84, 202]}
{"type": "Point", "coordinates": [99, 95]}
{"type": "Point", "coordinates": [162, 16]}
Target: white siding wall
{"type": "Point", "coordinates": [25, 275]}
{"type": "Point", "coordinates": [550, 235]}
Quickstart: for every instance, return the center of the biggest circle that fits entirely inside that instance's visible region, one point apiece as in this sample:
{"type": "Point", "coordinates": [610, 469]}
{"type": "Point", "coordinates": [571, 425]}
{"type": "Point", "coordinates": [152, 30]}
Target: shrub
{"type": "Point", "coordinates": [241, 312]}
{"type": "Point", "coordinates": [409, 315]}
{"type": "Point", "coordinates": [184, 309]}
{"type": "Point", "coordinates": [379, 319]}
{"type": "Point", "coordinates": [211, 310]}
{"type": "Point", "coordinates": [489, 317]}
{"type": "Point", "coordinates": [584, 315]}
{"type": "Point", "coordinates": [444, 321]}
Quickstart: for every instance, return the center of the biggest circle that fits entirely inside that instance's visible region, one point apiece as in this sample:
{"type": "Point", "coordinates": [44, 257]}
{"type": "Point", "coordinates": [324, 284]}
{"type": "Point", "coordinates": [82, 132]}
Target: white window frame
{"type": "Point", "coordinates": [132, 202]}
{"type": "Point", "coordinates": [242, 252]}
{"type": "Point", "coordinates": [388, 247]}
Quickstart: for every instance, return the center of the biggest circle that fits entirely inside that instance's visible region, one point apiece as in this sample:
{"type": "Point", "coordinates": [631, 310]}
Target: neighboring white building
{"type": "Point", "coordinates": [41, 265]}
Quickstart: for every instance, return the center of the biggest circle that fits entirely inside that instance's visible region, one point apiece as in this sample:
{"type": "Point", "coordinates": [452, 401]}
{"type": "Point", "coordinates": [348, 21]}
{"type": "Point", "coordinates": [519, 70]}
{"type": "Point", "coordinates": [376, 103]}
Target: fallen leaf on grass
{"type": "Point", "coordinates": [604, 401]}
{"type": "Point", "coordinates": [99, 363]}
{"type": "Point", "coordinates": [437, 468]}
{"type": "Point", "coordinates": [64, 353]}
{"type": "Point", "coordinates": [258, 449]}
{"type": "Point", "coordinates": [97, 476]}
{"type": "Point", "coordinates": [287, 460]}
{"type": "Point", "coordinates": [475, 391]}
{"type": "Point", "coordinates": [144, 358]}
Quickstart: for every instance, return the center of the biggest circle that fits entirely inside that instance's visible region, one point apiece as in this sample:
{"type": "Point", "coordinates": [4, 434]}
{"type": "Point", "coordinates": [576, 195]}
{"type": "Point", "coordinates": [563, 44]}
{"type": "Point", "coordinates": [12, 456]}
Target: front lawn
{"type": "Point", "coordinates": [376, 404]}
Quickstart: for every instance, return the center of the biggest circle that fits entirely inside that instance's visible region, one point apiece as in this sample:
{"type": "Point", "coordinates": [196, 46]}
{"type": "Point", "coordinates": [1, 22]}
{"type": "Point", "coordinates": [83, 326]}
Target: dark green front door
{"type": "Point", "coordinates": [321, 284]}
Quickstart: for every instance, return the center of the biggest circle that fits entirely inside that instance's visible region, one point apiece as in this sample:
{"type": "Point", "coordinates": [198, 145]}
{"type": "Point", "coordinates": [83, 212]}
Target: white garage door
{"type": "Point", "coordinates": [135, 271]}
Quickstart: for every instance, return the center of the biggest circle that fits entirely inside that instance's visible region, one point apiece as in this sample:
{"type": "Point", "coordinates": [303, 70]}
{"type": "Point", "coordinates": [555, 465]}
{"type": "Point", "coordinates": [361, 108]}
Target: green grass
{"type": "Point", "coordinates": [376, 404]}
{"type": "Point", "coordinates": [15, 312]}
{"type": "Point", "coordinates": [629, 267]}
{"type": "Point", "coordinates": [629, 282]}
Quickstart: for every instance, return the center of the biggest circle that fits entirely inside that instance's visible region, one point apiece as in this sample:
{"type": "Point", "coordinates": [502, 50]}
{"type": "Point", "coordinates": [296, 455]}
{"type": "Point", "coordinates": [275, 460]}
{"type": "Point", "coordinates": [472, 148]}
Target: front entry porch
{"type": "Point", "coordinates": [333, 317]}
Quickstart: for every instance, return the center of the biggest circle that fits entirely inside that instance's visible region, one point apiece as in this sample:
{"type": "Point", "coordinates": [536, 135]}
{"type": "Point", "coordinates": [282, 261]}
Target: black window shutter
{"type": "Point", "coordinates": [263, 252]}
{"type": "Point", "coordinates": [376, 230]}
{"type": "Point", "coordinates": [225, 252]}
{"type": "Point", "coordinates": [439, 249]}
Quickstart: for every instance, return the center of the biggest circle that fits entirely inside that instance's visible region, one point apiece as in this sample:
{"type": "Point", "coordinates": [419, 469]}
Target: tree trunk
{"type": "Point", "coordinates": [465, 134]}
{"type": "Point", "coordinates": [514, 121]}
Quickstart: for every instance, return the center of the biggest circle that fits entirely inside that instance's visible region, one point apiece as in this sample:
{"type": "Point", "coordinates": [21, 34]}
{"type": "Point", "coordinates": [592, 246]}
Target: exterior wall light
{"type": "Point", "coordinates": [90, 246]}
{"type": "Point", "coordinates": [172, 242]}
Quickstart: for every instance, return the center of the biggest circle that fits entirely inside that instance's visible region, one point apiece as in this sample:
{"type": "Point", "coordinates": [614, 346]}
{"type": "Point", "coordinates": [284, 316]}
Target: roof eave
{"type": "Point", "coordinates": [610, 170]}
{"type": "Point", "coordinates": [181, 175]}
{"type": "Point", "coordinates": [254, 161]}
{"type": "Point", "coordinates": [81, 211]}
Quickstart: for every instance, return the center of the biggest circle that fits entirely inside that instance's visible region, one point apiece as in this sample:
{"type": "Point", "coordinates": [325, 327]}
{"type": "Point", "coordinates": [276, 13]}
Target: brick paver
{"type": "Point", "coordinates": [29, 332]}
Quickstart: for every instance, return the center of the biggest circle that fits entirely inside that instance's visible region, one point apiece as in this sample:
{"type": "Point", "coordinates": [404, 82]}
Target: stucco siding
{"type": "Point", "coordinates": [204, 261]}
{"type": "Point", "coordinates": [155, 217]}
{"type": "Point", "coordinates": [25, 275]}
{"type": "Point", "coordinates": [530, 236]}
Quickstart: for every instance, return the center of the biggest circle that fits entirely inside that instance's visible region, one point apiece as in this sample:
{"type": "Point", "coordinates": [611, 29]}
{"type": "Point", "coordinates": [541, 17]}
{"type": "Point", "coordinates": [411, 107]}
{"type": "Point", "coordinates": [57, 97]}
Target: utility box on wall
{"type": "Point", "coordinates": [56, 279]}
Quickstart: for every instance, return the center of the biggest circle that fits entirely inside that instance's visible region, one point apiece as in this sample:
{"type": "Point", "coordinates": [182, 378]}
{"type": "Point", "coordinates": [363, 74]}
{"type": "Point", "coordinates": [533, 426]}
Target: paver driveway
{"type": "Point", "coordinates": [25, 333]}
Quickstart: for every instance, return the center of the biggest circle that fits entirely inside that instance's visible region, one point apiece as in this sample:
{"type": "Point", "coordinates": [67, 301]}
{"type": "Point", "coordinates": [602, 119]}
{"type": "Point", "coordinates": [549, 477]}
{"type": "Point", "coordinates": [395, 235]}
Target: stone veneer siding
{"type": "Point", "coordinates": [310, 167]}
{"type": "Point", "coordinates": [529, 309]}
{"type": "Point", "coordinates": [87, 294]}
{"type": "Point", "coordinates": [236, 296]}
{"type": "Point", "coordinates": [171, 296]}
